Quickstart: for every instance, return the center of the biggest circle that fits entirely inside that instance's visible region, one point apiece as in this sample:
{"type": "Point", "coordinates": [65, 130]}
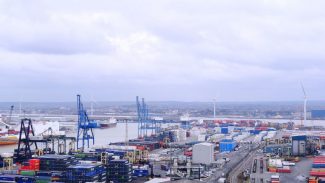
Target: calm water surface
{"type": "Point", "coordinates": [102, 136]}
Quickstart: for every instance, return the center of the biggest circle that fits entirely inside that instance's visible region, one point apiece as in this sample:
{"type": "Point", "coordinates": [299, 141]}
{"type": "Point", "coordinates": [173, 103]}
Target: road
{"type": "Point", "coordinates": [236, 157]}
{"type": "Point", "coordinates": [245, 164]}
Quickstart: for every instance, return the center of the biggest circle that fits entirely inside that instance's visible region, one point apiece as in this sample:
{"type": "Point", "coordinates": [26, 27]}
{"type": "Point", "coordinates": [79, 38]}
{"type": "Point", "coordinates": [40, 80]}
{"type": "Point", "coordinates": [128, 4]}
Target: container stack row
{"type": "Point", "coordinates": [119, 171]}
{"type": "Point", "coordinates": [56, 162]}
{"type": "Point", "coordinates": [16, 179]}
{"type": "Point", "coordinates": [88, 156]}
{"type": "Point", "coordinates": [85, 173]}
{"type": "Point", "coordinates": [276, 165]}
{"type": "Point", "coordinates": [318, 167]}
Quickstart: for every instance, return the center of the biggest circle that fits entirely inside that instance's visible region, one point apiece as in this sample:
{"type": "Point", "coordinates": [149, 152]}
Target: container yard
{"type": "Point", "coordinates": [205, 150]}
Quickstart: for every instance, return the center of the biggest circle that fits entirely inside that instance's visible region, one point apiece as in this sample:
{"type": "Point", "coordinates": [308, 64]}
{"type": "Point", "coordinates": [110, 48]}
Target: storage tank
{"type": "Point", "coordinates": [203, 153]}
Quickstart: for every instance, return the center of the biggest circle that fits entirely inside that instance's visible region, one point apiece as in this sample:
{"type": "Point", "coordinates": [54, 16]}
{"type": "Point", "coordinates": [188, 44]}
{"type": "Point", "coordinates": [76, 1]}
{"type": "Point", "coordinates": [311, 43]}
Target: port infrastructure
{"type": "Point", "coordinates": [145, 124]}
{"type": "Point", "coordinates": [85, 127]}
{"type": "Point", "coordinates": [25, 142]}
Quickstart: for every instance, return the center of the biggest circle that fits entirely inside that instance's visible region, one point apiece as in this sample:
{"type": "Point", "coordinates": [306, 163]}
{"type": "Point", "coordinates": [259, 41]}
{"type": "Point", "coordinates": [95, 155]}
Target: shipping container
{"type": "Point", "coordinates": [27, 172]}
{"type": "Point", "coordinates": [140, 173]}
{"type": "Point", "coordinates": [224, 130]}
{"type": "Point", "coordinates": [254, 132]}
{"type": "Point", "coordinates": [7, 178]}
{"type": "Point", "coordinates": [203, 153]}
{"type": "Point", "coordinates": [299, 137]}
{"type": "Point", "coordinates": [298, 147]}
{"type": "Point", "coordinates": [318, 165]}
{"type": "Point", "coordinates": [227, 145]}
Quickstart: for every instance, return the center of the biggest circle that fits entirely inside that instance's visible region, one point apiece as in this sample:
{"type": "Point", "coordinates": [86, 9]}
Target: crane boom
{"type": "Point", "coordinates": [10, 114]}
{"type": "Point", "coordinates": [7, 126]}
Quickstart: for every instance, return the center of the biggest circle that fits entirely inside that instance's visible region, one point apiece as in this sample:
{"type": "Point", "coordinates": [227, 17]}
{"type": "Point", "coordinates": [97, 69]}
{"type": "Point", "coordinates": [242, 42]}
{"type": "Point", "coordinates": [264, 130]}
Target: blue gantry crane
{"type": "Point", "coordinates": [85, 126]}
{"type": "Point", "coordinates": [145, 124]}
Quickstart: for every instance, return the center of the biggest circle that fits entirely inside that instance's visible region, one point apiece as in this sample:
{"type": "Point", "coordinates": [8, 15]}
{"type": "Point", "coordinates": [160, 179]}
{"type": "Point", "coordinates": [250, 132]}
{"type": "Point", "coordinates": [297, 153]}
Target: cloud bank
{"type": "Point", "coordinates": [163, 50]}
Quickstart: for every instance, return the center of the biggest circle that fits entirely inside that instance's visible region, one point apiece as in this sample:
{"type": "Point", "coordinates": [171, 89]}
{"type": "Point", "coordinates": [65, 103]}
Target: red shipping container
{"type": "Point", "coordinates": [142, 148]}
{"type": "Point", "coordinates": [280, 170]}
{"type": "Point", "coordinates": [34, 164]}
{"type": "Point", "coordinates": [319, 174]}
{"type": "Point", "coordinates": [34, 161]}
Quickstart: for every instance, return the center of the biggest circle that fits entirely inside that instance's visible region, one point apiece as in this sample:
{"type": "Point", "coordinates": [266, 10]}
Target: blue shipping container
{"type": "Point", "coordinates": [227, 140]}
{"type": "Point", "coordinates": [227, 146]}
{"type": "Point", "coordinates": [140, 173]}
{"type": "Point", "coordinates": [255, 132]}
{"type": "Point", "coordinates": [318, 165]}
{"type": "Point", "coordinates": [7, 178]}
{"type": "Point", "coordinates": [224, 130]}
{"type": "Point", "coordinates": [299, 137]}
{"type": "Point", "coordinates": [25, 180]}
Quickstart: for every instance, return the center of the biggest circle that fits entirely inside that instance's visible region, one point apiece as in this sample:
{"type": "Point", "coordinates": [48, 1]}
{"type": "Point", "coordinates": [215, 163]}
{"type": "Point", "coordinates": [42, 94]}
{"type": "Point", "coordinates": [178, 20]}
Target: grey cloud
{"type": "Point", "coordinates": [165, 50]}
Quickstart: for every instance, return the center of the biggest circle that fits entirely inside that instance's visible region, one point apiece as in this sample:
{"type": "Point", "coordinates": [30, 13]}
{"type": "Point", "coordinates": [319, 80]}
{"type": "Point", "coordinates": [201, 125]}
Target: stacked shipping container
{"type": "Point", "coordinates": [318, 168]}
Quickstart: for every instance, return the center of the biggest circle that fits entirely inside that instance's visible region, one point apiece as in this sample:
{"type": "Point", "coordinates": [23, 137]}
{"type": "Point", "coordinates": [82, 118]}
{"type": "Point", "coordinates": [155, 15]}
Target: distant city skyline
{"type": "Point", "coordinates": [162, 50]}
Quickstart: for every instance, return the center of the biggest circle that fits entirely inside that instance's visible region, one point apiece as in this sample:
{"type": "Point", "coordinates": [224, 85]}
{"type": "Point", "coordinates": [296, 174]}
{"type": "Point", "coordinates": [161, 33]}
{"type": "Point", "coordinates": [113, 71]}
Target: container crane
{"type": "Point", "coordinates": [7, 123]}
{"type": "Point", "coordinates": [24, 150]}
{"type": "Point", "coordinates": [144, 122]}
{"type": "Point", "coordinates": [10, 114]}
{"type": "Point", "coordinates": [85, 126]}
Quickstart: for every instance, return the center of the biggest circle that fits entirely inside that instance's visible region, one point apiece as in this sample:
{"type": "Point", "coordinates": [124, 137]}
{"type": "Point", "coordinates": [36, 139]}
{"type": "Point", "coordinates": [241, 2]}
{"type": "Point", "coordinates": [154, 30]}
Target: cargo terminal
{"type": "Point", "coordinates": [206, 150]}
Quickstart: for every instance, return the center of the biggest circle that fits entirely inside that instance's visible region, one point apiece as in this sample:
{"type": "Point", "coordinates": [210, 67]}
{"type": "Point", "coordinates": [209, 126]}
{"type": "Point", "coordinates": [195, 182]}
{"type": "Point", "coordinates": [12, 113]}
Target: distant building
{"type": "Point", "coordinates": [318, 114]}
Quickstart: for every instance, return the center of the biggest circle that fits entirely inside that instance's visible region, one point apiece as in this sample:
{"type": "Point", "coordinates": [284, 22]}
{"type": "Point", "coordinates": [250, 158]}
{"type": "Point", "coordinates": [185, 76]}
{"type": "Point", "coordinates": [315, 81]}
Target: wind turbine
{"type": "Point", "coordinates": [92, 103]}
{"type": "Point", "coordinates": [305, 102]}
{"type": "Point", "coordinates": [214, 108]}
{"type": "Point", "coordinates": [91, 108]}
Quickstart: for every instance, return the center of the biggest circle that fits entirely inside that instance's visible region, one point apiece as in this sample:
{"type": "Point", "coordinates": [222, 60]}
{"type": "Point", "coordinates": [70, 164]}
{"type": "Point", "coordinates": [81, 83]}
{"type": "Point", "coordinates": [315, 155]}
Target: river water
{"type": "Point", "coordinates": [102, 136]}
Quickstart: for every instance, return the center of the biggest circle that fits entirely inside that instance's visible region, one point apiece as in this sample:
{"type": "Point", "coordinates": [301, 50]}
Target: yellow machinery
{"type": "Point", "coordinates": [135, 156]}
{"type": "Point", "coordinates": [39, 152]}
{"type": "Point", "coordinates": [7, 163]}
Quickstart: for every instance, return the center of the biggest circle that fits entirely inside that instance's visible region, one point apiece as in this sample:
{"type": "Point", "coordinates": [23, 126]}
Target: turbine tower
{"type": "Point", "coordinates": [305, 102]}
{"type": "Point", "coordinates": [214, 108]}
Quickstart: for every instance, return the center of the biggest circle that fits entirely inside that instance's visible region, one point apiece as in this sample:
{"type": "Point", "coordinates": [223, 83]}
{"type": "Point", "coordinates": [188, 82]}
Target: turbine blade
{"type": "Point", "coordinates": [303, 89]}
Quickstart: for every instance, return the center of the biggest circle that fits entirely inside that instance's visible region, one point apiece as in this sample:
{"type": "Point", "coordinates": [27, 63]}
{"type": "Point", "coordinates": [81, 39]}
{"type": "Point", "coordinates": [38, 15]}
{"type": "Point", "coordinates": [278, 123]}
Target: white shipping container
{"type": "Point", "coordinates": [203, 153]}
{"type": "Point", "coordinates": [231, 129]}
{"type": "Point", "coordinates": [201, 138]}
{"type": "Point", "coordinates": [182, 135]}
{"type": "Point", "coordinates": [217, 129]}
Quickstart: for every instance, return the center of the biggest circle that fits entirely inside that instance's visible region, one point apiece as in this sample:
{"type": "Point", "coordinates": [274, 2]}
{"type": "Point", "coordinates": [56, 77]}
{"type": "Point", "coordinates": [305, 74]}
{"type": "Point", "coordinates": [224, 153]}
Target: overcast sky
{"type": "Point", "coordinates": [162, 50]}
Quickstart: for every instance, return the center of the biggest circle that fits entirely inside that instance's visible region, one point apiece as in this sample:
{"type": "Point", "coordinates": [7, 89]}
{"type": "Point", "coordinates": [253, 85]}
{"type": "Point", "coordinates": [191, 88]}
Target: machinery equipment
{"type": "Point", "coordinates": [145, 124]}
{"type": "Point", "coordinates": [85, 126]}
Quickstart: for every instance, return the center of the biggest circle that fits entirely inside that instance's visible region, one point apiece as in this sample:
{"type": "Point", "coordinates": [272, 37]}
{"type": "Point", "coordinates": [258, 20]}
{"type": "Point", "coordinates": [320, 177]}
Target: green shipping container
{"type": "Point", "coordinates": [80, 155]}
{"type": "Point", "coordinates": [27, 172]}
{"type": "Point", "coordinates": [42, 181]}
